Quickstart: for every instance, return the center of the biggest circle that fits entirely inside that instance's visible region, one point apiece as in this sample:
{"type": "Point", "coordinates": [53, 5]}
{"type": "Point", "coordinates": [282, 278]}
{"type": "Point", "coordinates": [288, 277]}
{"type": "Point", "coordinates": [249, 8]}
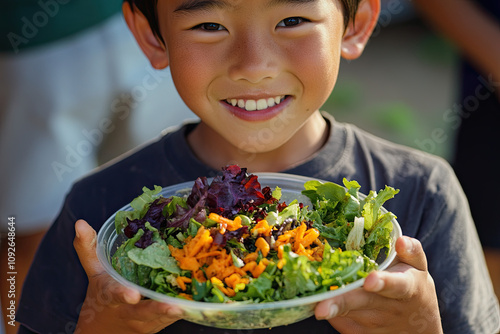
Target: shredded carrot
{"type": "Point", "coordinates": [259, 269]}
{"type": "Point", "coordinates": [299, 235]}
{"type": "Point", "coordinates": [309, 237]}
{"type": "Point", "coordinates": [181, 281]}
{"type": "Point", "coordinates": [188, 263]}
{"type": "Point", "coordinates": [236, 224]}
{"type": "Point", "coordinates": [207, 254]}
{"type": "Point", "coordinates": [301, 250]}
{"type": "Point", "coordinates": [262, 228]}
{"type": "Point", "coordinates": [251, 257]}
{"type": "Point", "coordinates": [334, 287]}
{"type": "Point", "coordinates": [281, 263]}
{"type": "Point", "coordinates": [249, 266]}
{"type": "Point", "coordinates": [199, 276]}
{"type": "Point", "coordinates": [186, 296]}
{"type": "Point", "coordinates": [227, 291]}
{"type": "Point", "coordinates": [262, 245]}
{"type": "Point", "coordinates": [206, 260]}
{"type": "Point", "coordinates": [226, 223]}
{"type": "Point", "coordinates": [201, 240]}
{"type": "Point", "coordinates": [280, 252]}
{"type": "Point", "coordinates": [301, 240]}
{"type": "Point", "coordinates": [235, 279]}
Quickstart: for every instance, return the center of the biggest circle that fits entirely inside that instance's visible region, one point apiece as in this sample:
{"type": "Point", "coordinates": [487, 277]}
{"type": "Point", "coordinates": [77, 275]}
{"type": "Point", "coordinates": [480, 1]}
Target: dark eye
{"type": "Point", "coordinates": [291, 21]}
{"type": "Point", "coordinates": [210, 26]}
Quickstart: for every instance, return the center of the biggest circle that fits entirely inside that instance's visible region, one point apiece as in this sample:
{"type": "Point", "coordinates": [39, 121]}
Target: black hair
{"type": "Point", "coordinates": [148, 8]}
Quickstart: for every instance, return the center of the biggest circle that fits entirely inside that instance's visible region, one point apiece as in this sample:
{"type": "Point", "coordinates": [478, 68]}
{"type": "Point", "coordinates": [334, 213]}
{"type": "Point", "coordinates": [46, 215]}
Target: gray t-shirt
{"type": "Point", "coordinates": [430, 207]}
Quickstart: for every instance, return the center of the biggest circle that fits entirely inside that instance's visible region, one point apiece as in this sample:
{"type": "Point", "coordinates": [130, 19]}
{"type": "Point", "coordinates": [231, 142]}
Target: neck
{"type": "Point", "coordinates": [216, 152]}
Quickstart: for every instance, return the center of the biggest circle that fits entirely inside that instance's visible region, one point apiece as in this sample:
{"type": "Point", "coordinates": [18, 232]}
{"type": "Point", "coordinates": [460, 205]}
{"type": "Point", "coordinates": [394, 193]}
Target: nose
{"type": "Point", "coordinates": [254, 58]}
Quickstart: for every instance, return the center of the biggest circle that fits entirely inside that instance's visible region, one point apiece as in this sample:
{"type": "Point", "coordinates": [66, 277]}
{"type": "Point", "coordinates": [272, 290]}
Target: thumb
{"type": "Point", "coordinates": [410, 251]}
{"type": "Point", "coordinates": [85, 246]}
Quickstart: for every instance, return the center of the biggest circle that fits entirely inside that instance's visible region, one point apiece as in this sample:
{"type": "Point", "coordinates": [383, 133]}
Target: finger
{"type": "Point", "coordinates": [150, 316]}
{"type": "Point", "coordinates": [394, 285]}
{"type": "Point", "coordinates": [343, 304]}
{"type": "Point", "coordinates": [160, 313]}
{"type": "Point", "coordinates": [118, 294]}
{"type": "Point", "coordinates": [400, 280]}
{"type": "Point", "coordinates": [410, 251]}
{"type": "Point", "coordinates": [85, 246]}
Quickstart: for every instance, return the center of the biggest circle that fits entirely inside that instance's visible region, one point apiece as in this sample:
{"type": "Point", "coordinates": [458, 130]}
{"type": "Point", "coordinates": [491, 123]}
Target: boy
{"type": "Point", "coordinates": [256, 72]}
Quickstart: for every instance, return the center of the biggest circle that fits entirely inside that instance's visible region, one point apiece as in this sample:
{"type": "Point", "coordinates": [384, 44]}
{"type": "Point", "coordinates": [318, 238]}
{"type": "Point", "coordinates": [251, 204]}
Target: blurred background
{"type": "Point", "coordinates": [402, 85]}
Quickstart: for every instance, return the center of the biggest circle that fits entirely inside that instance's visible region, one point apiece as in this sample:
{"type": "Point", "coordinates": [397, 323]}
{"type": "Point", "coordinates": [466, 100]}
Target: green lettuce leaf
{"type": "Point", "coordinates": [155, 256]}
{"type": "Point", "coordinates": [139, 205]}
{"type": "Point", "coordinates": [298, 274]}
{"type": "Point", "coordinates": [373, 202]}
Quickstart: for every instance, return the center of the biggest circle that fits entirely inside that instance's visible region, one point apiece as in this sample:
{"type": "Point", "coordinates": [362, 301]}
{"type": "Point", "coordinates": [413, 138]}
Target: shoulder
{"type": "Point", "coordinates": [428, 186]}
{"type": "Point", "coordinates": [396, 164]}
{"type": "Point", "coordinates": [394, 156]}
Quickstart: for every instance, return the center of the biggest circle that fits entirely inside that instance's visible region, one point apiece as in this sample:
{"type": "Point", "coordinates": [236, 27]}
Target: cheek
{"type": "Point", "coordinates": [190, 74]}
{"type": "Point", "coordinates": [318, 65]}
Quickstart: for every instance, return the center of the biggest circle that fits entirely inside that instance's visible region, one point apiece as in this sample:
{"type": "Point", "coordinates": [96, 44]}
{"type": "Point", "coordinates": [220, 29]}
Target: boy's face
{"type": "Point", "coordinates": [245, 66]}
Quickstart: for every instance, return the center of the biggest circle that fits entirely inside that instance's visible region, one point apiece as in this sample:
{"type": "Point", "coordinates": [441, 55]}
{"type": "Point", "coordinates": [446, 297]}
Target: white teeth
{"type": "Point", "coordinates": [252, 105]}
{"type": "Point", "coordinates": [262, 104]}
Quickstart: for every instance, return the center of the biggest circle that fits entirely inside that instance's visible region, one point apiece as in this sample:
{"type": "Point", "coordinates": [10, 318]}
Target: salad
{"type": "Point", "coordinates": [232, 241]}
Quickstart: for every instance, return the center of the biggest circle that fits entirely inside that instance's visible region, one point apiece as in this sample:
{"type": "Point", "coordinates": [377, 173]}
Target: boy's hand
{"type": "Point", "coordinates": [110, 307]}
{"type": "Point", "coordinates": [399, 300]}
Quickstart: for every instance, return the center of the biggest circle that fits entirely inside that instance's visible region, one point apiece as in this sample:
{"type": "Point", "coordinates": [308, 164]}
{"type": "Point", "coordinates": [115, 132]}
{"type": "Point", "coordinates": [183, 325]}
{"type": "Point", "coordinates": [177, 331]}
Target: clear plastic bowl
{"type": "Point", "coordinates": [237, 315]}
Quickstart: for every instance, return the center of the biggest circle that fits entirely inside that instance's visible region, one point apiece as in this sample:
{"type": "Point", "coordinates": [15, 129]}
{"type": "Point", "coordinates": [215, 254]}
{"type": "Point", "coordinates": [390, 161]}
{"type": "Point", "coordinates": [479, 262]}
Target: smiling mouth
{"type": "Point", "coordinates": [252, 105]}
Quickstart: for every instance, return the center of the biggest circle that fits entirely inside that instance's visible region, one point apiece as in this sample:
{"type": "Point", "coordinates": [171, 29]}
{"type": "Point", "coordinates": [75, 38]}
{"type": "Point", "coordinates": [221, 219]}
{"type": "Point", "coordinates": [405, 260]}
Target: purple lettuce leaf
{"type": "Point", "coordinates": [154, 216]}
{"type": "Point", "coordinates": [196, 206]}
{"type": "Point", "coordinates": [231, 191]}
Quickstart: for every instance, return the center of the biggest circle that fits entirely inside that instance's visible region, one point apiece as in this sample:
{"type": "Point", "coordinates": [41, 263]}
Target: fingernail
{"type": "Point", "coordinates": [379, 285]}
{"type": "Point", "coordinates": [172, 314]}
{"type": "Point", "coordinates": [176, 312]}
{"type": "Point", "coordinates": [334, 310]}
{"type": "Point", "coordinates": [128, 298]}
{"type": "Point", "coordinates": [410, 245]}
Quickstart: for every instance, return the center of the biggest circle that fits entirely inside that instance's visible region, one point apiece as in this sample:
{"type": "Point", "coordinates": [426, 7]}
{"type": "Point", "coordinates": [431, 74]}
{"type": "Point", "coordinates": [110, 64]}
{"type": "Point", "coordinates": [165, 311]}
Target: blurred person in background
{"type": "Point", "coordinates": [70, 90]}
{"type": "Point", "coordinates": [474, 28]}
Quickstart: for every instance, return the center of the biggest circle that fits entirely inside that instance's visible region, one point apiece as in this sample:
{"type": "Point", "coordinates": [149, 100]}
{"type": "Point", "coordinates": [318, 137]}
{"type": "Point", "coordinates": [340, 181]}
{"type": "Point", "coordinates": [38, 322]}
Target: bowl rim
{"type": "Point", "coordinates": [236, 306]}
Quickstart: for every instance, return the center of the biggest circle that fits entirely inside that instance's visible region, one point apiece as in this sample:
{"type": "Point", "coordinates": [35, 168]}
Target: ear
{"type": "Point", "coordinates": [148, 42]}
{"type": "Point", "coordinates": [358, 32]}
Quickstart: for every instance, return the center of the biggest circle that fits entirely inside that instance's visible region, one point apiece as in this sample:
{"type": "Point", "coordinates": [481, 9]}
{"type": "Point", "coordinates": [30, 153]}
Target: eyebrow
{"type": "Point", "coordinates": [202, 5]}
{"type": "Point", "coordinates": [287, 2]}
